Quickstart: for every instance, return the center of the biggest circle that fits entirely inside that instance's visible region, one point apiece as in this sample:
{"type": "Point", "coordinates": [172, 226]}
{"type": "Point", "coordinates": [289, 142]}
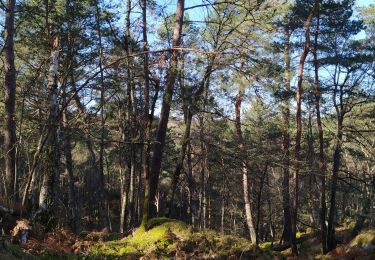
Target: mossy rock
{"type": "Point", "coordinates": [365, 240]}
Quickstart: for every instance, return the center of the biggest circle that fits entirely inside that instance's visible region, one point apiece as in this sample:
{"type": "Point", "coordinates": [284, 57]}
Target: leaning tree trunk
{"type": "Point", "coordinates": [150, 207]}
{"type": "Point", "coordinates": [245, 172]}
{"type": "Point", "coordinates": [294, 186]}
{"type": "Point", "coordinates": [10, 102]}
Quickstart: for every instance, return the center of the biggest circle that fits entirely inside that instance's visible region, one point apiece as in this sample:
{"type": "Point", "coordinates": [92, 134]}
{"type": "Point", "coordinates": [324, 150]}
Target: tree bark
{"type": "Point", "coordinates": [153, 180]}
{"type": "Point", "coordinates": [287, 231]}
{"type": "Point", "coordinates": [180, 162]}
{"type": "Point", "coordinates": [72, 205]}
{"type": "Point", "coordinates": [47, 195]}
{"type": "Point", "coordinates": [131, 106]}
{"type": "Point", "coordinates": [10, 102]}
{"type": "Point", "coordinates": [245, 173]}
{"type": "Point", "coordinates": [322, 165]}
{"type": "Point", "coordinates": [102, 196]}
{"type": "Point", "coordinates": [331, 240]}
{"type": "Point", "coordinates": [147, 120]}
{"type": "Point", "coordinates": [294, 186]}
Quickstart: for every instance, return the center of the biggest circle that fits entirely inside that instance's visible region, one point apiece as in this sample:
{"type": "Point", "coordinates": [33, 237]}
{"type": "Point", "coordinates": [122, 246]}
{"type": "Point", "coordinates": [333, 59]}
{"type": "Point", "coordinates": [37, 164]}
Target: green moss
{"type": "Point", "coordinates": [351, 225]}
{"type": "Point", "coordinates": [212, 244]}
{"type": "Point", "coordinates": [157, 221]}
{"type": "Point", "coordinates": [102, 249]}
{"type": "Point", "coordinates": [128, 250]}
{"type": "Point", "coordinates": [266, 245]}
{"type": "Point", "coordinates": [166, 237]}
{"type": "Point", "coordinates": [162, 238]}
{"type": "Point", "coordinates": [83, 234]}
{"type": "Point", "coordinates": [365, 240]}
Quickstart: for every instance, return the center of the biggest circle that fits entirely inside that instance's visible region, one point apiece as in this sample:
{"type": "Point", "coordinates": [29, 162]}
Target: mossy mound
{"type": "Point", "coordinates": [365, 240]}
{"type": "Point", "coordinates": [161, 239]}
{"type": "Point", "coordinates": [210, 244]}
{"type": "Point", "coordinates": [166, 238]}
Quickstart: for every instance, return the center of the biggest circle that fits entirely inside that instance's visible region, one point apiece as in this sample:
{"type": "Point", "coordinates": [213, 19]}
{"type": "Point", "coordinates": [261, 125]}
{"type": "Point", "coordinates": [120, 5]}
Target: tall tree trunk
{"type": "Point", "coordinates": [131, 106]}
{"type": "Point", "coordinates": [245, 172]}
{"type": "Point", "coordinates": [10, 102]}
{"type": "Point", "coordinates": [294, 186]}
{"type": "Point", "coordinates": [47, 195]}
{"type": "Point", "coordinates": [322, 165]}
{"type": "Point", "coordinates": [146, 104]}
{"type": "Point", "coordinates": [287, 232]}
{"type": "Point", "coordinates": [161, 132]}
{"type": "Point", "coordinates": [102, 196]}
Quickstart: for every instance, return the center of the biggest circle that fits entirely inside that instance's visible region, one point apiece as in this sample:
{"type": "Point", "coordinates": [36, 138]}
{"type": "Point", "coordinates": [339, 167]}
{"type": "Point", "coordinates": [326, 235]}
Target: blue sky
{"type": "Point", "coordinates": [365, 2]}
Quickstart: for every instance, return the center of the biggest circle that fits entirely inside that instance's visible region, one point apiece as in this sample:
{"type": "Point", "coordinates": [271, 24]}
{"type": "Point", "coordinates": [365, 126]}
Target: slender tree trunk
{"type": "Point", "coordinates": [295, 179]}
{"type": "Point", "coordinates": [131, 105]}
{"type": "Point", "coordinates": [190, 184]}
{"type": "Point", "coordinates": [102, 194]}
{"type": "Point", "coordinates": [202, 190]}
{"type": "Point", "coordinates": [153, 180]}
{"type": "Point", "coordinates": [322, 165]}
{"type": "Point", "coordinates": [223, 193]}
{"type": "Point", "coordinates": [331, 240]}
{"type": "Point", "coordinates": [180, 162]}
{"type": "Point", "coordinates": [146, 108]}
{"type": "Point", "coordinates": [72, 205]}
{"type": "Point", "coordinates": [287, 232]}
{"type": "Point", "coordinates": [367, 200]}
{"type": "Point", "coordinates": [259, 202]}
{"type": "Point", "coordinates": [10, 102]}
{"type": "Point", "coordinates": [245, 173]}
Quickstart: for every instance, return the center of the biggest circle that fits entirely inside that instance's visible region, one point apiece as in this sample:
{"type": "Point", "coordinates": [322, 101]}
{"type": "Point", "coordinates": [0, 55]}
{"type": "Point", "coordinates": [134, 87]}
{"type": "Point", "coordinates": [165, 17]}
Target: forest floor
{"type": "Point", "coordinates": [172, 239]}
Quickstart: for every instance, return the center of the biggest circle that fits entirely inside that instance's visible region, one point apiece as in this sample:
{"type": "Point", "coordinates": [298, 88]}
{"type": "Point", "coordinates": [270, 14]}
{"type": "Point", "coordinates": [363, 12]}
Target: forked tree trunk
{"type": "Point", "coordinates": [150, 206]}
{"type": "Point", "coordinates": [245, 168]}
{"type": "Point", "coordinates": [10, 101]}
